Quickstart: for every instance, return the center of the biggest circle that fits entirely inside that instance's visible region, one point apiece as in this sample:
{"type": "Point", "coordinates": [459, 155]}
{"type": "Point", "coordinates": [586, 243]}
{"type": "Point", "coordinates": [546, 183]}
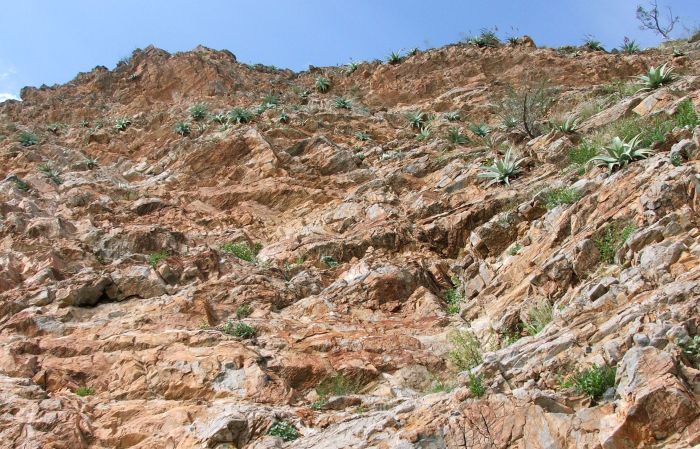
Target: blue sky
{"type": "Point", "coordinates": [47, 42]}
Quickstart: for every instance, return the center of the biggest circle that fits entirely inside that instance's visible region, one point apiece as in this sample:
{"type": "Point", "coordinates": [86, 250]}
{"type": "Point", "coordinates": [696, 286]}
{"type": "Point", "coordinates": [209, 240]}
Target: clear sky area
{"type": "Point", "coordinates": [48, 42]}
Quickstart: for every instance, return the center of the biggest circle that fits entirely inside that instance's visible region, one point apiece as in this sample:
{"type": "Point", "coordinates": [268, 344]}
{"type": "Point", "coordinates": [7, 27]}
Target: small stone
{"type": "Point", "coordinates": [641, 339]}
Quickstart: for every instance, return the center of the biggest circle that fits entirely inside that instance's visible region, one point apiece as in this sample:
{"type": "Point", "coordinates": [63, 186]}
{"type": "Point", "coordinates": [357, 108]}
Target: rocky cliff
{"type": "Point", "coordinates": [199, 253]}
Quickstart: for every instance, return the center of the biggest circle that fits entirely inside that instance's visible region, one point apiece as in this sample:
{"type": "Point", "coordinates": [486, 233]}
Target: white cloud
{"type": "Point", "coordinates": [7, 96]}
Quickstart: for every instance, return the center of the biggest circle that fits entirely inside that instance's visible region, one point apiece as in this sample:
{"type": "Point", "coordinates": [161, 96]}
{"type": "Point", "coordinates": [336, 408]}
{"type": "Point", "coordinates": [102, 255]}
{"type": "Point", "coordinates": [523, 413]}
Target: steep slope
{"type": "Point", "coordinates": [198, 289]}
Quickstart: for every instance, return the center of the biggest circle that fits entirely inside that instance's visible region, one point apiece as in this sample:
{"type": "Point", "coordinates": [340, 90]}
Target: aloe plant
{"type": "Point", "coordinates": [502, 170]}
{"type": "Point", "coordinates": [415, 118]}
{"type": "Point", "coordinates": [451, 116]}
{"type": "Point", "coordinates": [199, 111]}
{"type": "Point", "coordinates": [240, 115]}
{"type": "Point", "coordinates": [342, 103]}
{"type": "Point", "coordinates": [480, 129]}
{"type": "Point", "coordinates": [423, 134]}
{"type": "Point", "coordinates": [656, 77]}
{"type": "Point", "coordinates": [569, 125]}
{"type": "Point", "coordinates": [621, 153]}
{"type": "Point", "coordinates": [322, 84]}
{"type": "Point", "coordinates": [122, 123]}
{"type": "Point", "coordinates": [394, 58]}
{"type": "Point", "coordinates": [629, 46]}
{"type": "Point", "coordinates": [454, 135]}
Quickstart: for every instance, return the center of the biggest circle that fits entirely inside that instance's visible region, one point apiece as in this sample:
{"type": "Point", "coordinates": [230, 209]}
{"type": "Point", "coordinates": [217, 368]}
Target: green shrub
{"type": "Point", "coordinates": [686, 115]}
{"type": "Point", "coordinates": [591, 44]}
{"type": "Point", "coordinates": [50, 173]}
{"type": "Point", "coordinates": [322, 84]}
{"type": "Point", "coordinates": [691, 350]}
{"type": "Point", "coordinates": [423, 133]}
{"type": "Point", "coordinates": [527, 106]}
{"type": "Point", "coordinates": [182, 128]}
{"type": "Point", "coordinates": [242, 250]}
{"type": "Point", "coordinates": [502, 170]}
{"type": "Point", "coordinates": [629, 46]}
{"type": "Point", "coordinates": [583, 153]}
{"type": "Point", "coordinates": [154, 258]}
{"type": "Point", "coordinates": [27, 139]}
{"type": "Point", "coordinates": [594, 381]}
{"type": "Point", "coordinates": [466, 350]}
{"type": "Point", "coordinates": [84, 391]}
{"type": "Point", "coordinates": [337, 385]}
{"type": "Point", "coordinates": [515, 249]}
{"type": "Point", "coordinates": [621, 153]}
{"type": "Point", "coordinates": [342, 103]}
{"type": "Point", "coordinates": [568, 126]}
{"type": "Point", "coordinates": [18, 182]}
{"type": "Point", "coordinates": [560, 195]}
{"type": "Point", "coordinates": [329, 261]}
{"type": "Point", "coordinates": [394, 58]}
{"type": "Point", "coordinates": [452, 116]}
{"type": "Point", "coordinates": [656, 77]}
{"type": "Point", "coordinates": [415, 118]}
{"type": "Point", "coordinates": [220, 118]}
{"type": "Point", "coordinates": [454, 135]}
{"type": "Point", "coordinates": [479, 129]}
{"type": "Point", "coordinates": [122, 123]}
{"type": "Point", "coordinates": [199, 111]}
{"type": "Point", "coordinates": [270, 99]}
{"type": "Point", "coordinates": [239, 329]}
{"type": "Point", "coordinates": [612, 239]}
{"type": "Point", "coordinates": [453, 298]}
{"type": "Point", "coordinates": [243, 311]}
{"type": "Point", "coordinates": [351, 67]}
{"type": "Point", "coordinates": [240, 115]}
{"type": "Point", "coordinates": [476, 386]}
{"type": "Point", "coordinates": [487, 38]}
{"type": "Point", "coordinates": [538, 317]}
{"type": "Point", "coordinates": [362, 136]}
{"type": "Point", "coordinates": [284, 430]}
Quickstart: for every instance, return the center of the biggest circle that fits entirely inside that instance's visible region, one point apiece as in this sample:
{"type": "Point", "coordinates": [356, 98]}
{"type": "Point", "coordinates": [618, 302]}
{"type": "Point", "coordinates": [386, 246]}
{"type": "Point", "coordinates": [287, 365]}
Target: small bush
{"type": "Point", "coordinates": [656, 77]}
{"type": "Point", "coordinates": [27, 139]}
{"type": "Point", "coordinates": [594, 381]}
{"type": "Point", "coordinates": [629, 46]}
{"type": "Point", "coordinates": [621, 153]}
{"type": "Point", "coordinates": [394, 58]}
{"type": "Point", "coordinates": [329, 261]}
{"type": "Point", "coordinates": [515, 249]}
{"type": "Point", "coordinates": [487, 38]}
{"type": "Point", "coordinates": [350, 68]}
{"type": "Point", "coordinates": [122, 123]}
{"type": "Point", "coordinates": [686, 115]}
{"type": "Point", "coordinates": [568, 126]}
{"type": "Point", "coordinates": [50, 173]}
{"type": "Point", "coordinates": [502, 170]}
{"type": "Point", "coordinates": [611, 240]}
{"type": "Point", "coordinates": [337, 385]}
{"type": "Point", "coordinates": [154, 258]}
{"type": "Point", "coordinates": [240, 115]}
{"type": "Point", "coordinates": [84, 391]}
{"type": "Point", "coordinates": [239, 329]}
{"type": "Point", "coordinates": [284, 430]}
{"type": "Point", "coordinates": [243, 311]}
{"type": "Point", "coordinates": [415, 118]}
{"type": "Point", "coordinates": [18, 182]}
{"type": "Point", "coordinates": [538, 317]}
{"type": "Point", "coordinates": [270, 99]}
{"type": "Point", "coordinates": [182, 128]}
{"type": "Point", "coordinates": [453, 298]}
{"type": "Point", "coordinates": [527, 106]}
{"type": "Point", "coordinates": [322, 84]}
{"type": "Point", "coordinates": [455, 136]}
{"type": "Point", "coordinates": [199, 111]}
{"type": "Point", "coordinates": [452, 116]}
{"type": "Point", "coordinates": [423, 134]}
{"type": "Point", "coordinates": [591, 44]}
{"type": "Point", "coordinates": [561, 195]}
{"type": "Point", "coordinates": [283, 117]}
{"type": "Point", "coordinates": [242, 250]}
{"type": "Point", "coordinates": [54, 128]}
{"type": "Point", "coordinates": [476, 386]}
{"type": "Point", "coordinates": [479, 129]}
{"type": "Point", "coordinates": [691, 350]}
{"type": "Point", "coordinates": [466, 350]}
{"type": "Point", "coordinates": [342, 103]}
{"type": "Point", "coordinates": [220, 118]}
{"type": "Point", "coordinates": [362, 136]}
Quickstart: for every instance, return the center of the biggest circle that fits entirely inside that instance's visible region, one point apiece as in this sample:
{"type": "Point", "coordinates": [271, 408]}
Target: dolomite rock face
{"type": "Point", "coordinates": [122, 280]}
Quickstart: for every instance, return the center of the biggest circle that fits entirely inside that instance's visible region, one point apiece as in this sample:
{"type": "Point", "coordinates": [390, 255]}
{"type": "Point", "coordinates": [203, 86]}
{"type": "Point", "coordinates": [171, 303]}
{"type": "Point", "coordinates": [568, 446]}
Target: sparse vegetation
{"type": "Point", "coordinates": [415, 118]}
{"type": "Point", "coordinates": [611, 239]}
{"type": "Point", "coordinates": [452, 116]}
{"type": "Point", "coordinates": [476, 386]}
{"type": "Point", "coordinates": [621, 153]}
{"type": "Point", "coordinates": [240, 115]}
{"type": "Point", "coordinates": [322, 84]}
{"type": "Point", "coordinates": [629, 46]}
{"type": "Point", "coordinates": [423, 133]}
{"type": "Point", "coordinates": [122, 123]}
{"type": "Point", "coordinates": [199, 111]}
{"type": "Point", "coordinates": [54, 128]}
{"type": "Point", "coordinates": [220, 118]}
{"type": "Point", "coordinates": [515, 249]}
{"type": "Point", "coordinates": [329, 261]}
{"type": "Point", "coordinates": [558, 196]}
{"type": "Point", "coordinates": [568, 125]}
{"type": "Point", "coordinates": [455, 136]}
{"type": "Point", "coordinates": [394, 58]}
{"type": "Point", "coordinates": [466, 350]}
{"type": "Point", "coordinates": [18, 182]}
{"type": "Point", "coordinates": [337, 385]}
{"type": "Point", "coordinates": [486, 38]}
{"type": "Point", "coordinates": [243, 311]}
{"type": "Point", "coordinates": [351, 67]}
{"type": "Point", "coordinates": [592, 44]}
{"type": "Point", "coordinates": [479, 129]}
{"type": "Point", "coordinates": [84, 391]}
{"type": "Point", "coordinates": [656, 77]}
{"type": "Point", "coordinates": [453, 297]}
{"type": "Point", "coordinates": [270, 100]}
{"type": "Point", "coordinates": [239, 329]}
{"type": "Point", "coordinates": [27, 139]}
{"type": "Point", "coordinates": [538, 317]}
{"type": "Point", "coordinates": [594, 381]}
{"type": "Point", "coordinates": [242, 250]}
{"type": "Point", "coordinates": [527, 107]}
{"type": "Point", "coordinates": [50, 173]}
{"type": "Point", "coordinates": [502, 170]}
{"type": "Point", "coordinates": [182, 128]}
{"type": "Point", "coordinates": [155, 258]}
{"type": "Point", "coordinates": [362, 136]}
{"type": "Point", "coordinates": [691, 350]}
{"type": "Point", "coordinates": [686, 115]}
{"type": "Point", "coordinates": [342, 103]}
{"type": "Point", "coordinates": [284, 430]}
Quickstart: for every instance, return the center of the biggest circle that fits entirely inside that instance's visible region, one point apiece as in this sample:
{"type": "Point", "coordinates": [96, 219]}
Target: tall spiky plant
{"type": "Point", "coordinates": [656, 77]}
{"type": "Point", "coordinates": [502, 170]}
{"type": "Point", "coordinates": [621, 153]}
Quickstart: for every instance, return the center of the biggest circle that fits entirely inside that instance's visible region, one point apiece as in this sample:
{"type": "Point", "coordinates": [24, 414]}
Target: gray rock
{"type": "Point", "coordinates": [641, 339]}
{"type": "Point", "coordinates": [145, 206]}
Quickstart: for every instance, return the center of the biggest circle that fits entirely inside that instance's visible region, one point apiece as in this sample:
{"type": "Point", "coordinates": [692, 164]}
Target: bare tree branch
{"type": "Point", "coordinates": [651, 19]}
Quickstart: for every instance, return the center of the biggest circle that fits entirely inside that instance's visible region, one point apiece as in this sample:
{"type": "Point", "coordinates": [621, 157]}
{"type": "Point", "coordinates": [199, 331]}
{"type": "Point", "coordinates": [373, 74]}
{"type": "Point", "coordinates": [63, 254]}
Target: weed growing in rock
{"type": "Point", "coordinates": [515, 249]}
{"type": "Point", "coordinates": [592, 44]}
{"type": "Point", "coordinates": [476, 386]}
{"type": "Point", "coordinates": [394, 58]}
{"type": "Point", "coordinates": [594, 381]}
{"type": "Point", "coordinates": [557, 196]}
{"type": "Point", "coordinates": [199, 111]}
{"type": "Point", "coordinates": [18, 182]}
{"type": "Point", "coordinates": [54, 128]}
{"type": "Point", "coordinates": [329, 261]}
{"type": "Point", "coordinates": [350, 68]}
{"type": "Point", "coordinates": [182, 128]}
{"type": "Point", "coordinates": [362, 136]}
{"type": "Point", "coordinates": [240, 115]}
{"type": "Point", "coordinates": [686, 115]}
{"type": "Point", "coordinates": [220, 118]}
{"type": "Point", "coordinates": [27, 139]}
{"type": "Point", "coordinates": [479, 129]}
{"type": "Point", "coordinates": [466, 350]}
{"type": "Point", "coordinates": [122, 123]}
{"type": "Point", "coordinates": [629, 46]}
{"type": "Point", "coordinates": [621, 153]}
{"type": "Point", "coordinates": [322, 84]}
{"type": "Point", "coordinates": [441, 386]}
{"type": "Point", "coordinates": [84, 391]}
{"type": "Point", "coordinates": [423, 134]}
{"type": "Point", "coordinates": [155, 258]}
{"type": "Point", "coordinates": [486, 38]}
{"type": "Point", "coordinates": [337, 385]}
{"type": "Point", "coordinates": [538, 317]}
{"type": "Point", "coordinates": [567, 126]}
{"type": "Point", "coordinates": [270, 100]}
{"type": "Point", "coordinates": [342, 103]}
{"type": "Point", "coordinates": [453, 297]}
{"type": "Point", "coordinates": [239, 329]}
{"type": "Point", "coordinates": [242, 250]}
{"type": "Point", "coordinates": [656, 77]}
{"type": "Point", "coordinates": [243, 311]}
{"type": "Point", "coordinates": [527, 106]}
{"type": "Point", "coordinates": [283, 117]}
{"type": "Point", "coordinates": [50, 173]}
{"type": "Point", "coordinates": [455, 136]}
{"type": "Point", "coordinates": [452, 116]}
{"type": "Point", "coordinates": [284, 430]}
{"type": "Point", "coordinates": [502, 170]}
{"type": "Point", "coordinates": [612, 239]}
{"type": "Point", "coordinates": [691, 350]}
{"type": "Point", "coordinates": [415, 118]}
